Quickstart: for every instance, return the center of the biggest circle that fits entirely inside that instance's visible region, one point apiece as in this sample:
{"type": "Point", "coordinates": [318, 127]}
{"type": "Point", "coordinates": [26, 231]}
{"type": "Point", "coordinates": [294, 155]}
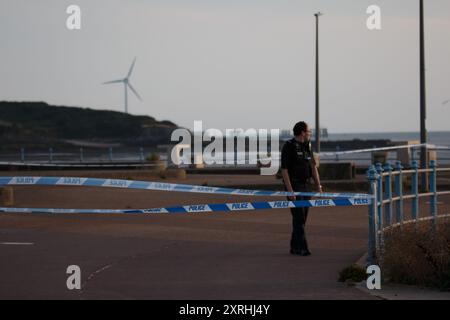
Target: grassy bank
{"type": "Point", "coordinates": [417, 256]}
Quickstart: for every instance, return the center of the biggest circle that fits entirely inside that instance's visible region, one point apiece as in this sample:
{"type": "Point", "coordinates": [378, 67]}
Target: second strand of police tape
{"type": "Point", "coordinates": [339, 199]}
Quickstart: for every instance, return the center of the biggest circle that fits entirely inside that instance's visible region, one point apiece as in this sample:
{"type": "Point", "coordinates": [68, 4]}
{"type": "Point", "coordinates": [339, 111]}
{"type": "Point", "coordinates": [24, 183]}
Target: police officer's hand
{"type": "Point", "coordinates": [319, 189]}
{"type": "Point", "coordinates": [291, 198]}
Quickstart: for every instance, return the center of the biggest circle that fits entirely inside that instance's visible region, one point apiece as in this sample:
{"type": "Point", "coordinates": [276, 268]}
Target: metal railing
{"type": "Point", "coordinates": [73, 156]}
{"type": "Point", "coordinates": [381, 210]}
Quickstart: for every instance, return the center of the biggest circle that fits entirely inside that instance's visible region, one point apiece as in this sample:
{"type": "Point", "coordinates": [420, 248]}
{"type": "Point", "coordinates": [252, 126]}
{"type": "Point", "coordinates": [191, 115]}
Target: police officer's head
{"type": "Point", "coordinates": [302, 131]}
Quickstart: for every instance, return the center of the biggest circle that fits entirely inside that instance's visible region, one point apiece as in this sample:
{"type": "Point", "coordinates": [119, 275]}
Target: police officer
{"type": "Point", "coordinates": [298, 168]}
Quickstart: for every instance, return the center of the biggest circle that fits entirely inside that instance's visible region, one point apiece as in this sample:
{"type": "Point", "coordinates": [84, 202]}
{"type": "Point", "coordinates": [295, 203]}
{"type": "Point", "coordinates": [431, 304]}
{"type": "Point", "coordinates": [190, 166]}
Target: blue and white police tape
{"type": "Point", "coordinates": [206, 208]}
{"type": "Point", "coordinates": [159, 186]}
{"type": "Point", "coordinates": [410, 146]}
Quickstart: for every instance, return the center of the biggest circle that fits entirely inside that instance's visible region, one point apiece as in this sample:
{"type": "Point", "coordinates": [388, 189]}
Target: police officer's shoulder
{"type": "Point", "coordinates": [289, 144]}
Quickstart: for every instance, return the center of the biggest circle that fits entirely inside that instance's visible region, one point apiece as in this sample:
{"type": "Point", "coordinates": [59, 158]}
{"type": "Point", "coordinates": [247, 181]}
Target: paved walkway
{"type": "Point", "coordinates": [205, 256]}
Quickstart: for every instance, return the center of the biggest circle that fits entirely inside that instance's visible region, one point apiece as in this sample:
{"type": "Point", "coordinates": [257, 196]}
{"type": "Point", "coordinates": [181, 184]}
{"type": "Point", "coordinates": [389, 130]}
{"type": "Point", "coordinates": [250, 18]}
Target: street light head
{"type": "Point", "coordinates": [318, 14]}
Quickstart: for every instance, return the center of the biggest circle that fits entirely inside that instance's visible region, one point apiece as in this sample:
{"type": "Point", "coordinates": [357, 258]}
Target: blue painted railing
{"type": "Point", "coordinates": [98, 154]}
{"type": "Point", "coordinates": [381, 210]}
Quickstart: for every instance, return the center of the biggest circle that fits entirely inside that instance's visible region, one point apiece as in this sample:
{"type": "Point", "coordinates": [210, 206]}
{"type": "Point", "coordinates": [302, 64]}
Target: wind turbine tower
{"type": "Point", "coordinates": [127, 85]}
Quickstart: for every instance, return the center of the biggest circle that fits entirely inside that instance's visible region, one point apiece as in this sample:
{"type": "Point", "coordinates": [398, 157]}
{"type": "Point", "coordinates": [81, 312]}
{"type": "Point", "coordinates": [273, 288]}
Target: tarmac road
{"type": "Point", "coordinates": [203, 256]}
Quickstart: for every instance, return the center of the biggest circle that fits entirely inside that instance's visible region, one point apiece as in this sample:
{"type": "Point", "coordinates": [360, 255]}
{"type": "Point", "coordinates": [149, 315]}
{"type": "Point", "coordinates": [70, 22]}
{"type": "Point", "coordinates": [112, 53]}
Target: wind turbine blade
{"type": "Point", "coordinates": [134, 91]}
{"type": "Point", "coordinates": [131, 68]}
{"type": "Point", "coordinates": [114, 81]}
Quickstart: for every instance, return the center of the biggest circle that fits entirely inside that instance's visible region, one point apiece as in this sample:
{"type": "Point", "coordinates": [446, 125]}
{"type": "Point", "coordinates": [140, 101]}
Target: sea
{"type": "Point", "coordinates": [441, 138]}
{"type": "Point", "coordinates": [437, 138]}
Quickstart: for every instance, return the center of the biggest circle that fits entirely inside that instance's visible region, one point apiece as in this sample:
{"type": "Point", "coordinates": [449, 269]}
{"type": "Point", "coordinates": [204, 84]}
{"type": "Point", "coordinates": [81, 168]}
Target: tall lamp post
{"type": "Point", "coordinates": [423, 102]}
{"type": "Point", "coordinates": [317, 15]}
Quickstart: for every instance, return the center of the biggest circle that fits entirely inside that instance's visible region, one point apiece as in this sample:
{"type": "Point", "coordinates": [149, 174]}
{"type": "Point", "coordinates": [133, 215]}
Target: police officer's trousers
{"type": "Point", "coordinates": [299, 243]}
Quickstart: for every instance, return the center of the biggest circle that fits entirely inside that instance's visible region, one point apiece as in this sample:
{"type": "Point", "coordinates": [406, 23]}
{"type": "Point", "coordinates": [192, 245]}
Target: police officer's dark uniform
{"type": "Point", "coordinates": [298, 159]}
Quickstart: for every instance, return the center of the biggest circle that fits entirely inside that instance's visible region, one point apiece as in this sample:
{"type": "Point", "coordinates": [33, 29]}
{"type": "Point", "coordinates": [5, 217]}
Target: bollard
{"type": "Point", "coordinates": [388, 193]}
{"type": "Point", "coordinates": [399, 191]}
{"type": "Point", "coordinates": [372, 176]}
{"type": "Point", "coordinates": [415, 190]}
{"type": "Point", "coordinates": [6, 196]}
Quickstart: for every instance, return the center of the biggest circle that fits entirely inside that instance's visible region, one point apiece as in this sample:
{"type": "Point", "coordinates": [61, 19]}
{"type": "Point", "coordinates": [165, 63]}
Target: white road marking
{"type": "Point", "coordinates": [17, 243]}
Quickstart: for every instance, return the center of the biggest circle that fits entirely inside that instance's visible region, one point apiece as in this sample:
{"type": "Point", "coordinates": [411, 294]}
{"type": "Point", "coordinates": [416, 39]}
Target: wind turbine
{"type": "Point", "coordinates": [127, 84]}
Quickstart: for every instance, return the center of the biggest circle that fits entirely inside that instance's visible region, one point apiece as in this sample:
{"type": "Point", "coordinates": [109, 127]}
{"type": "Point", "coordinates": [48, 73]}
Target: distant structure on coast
{"type": "Point", "coordinates": [287, 134]}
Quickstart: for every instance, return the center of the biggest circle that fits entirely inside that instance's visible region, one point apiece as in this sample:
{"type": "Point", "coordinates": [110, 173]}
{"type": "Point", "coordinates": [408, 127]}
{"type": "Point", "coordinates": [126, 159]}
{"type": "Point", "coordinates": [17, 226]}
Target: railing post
{"type": "Point", "coordinates": [337, 155]}
{"type": "Point", "coordinates": [388, 192]}
{"type": "Point", "coordinates": [50, 155]}
{"type": "Point", "coordinates": [22, 155]}
{"type": "Point", "coordinates": [81, 155]}
{"type": "Point", "coordinates": [380, 224]}
{"type": "Point", "coordinates": [372, 176]}
{"type": "Point", "coordinates": [433, 189]}
{"type": "Point", "coordinates": [399, 191]}
{"type": "Point", "coordinates": [110, 154]}
{"type": "Point", "coordinates": [415, 189]}
{"type": "Point", "coordinates": [141, 154]}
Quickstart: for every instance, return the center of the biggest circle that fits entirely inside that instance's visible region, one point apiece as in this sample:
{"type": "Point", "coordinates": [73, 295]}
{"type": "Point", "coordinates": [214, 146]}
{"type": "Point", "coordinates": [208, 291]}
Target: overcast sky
{"type": "Point", "coordinates": [232, 63]}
